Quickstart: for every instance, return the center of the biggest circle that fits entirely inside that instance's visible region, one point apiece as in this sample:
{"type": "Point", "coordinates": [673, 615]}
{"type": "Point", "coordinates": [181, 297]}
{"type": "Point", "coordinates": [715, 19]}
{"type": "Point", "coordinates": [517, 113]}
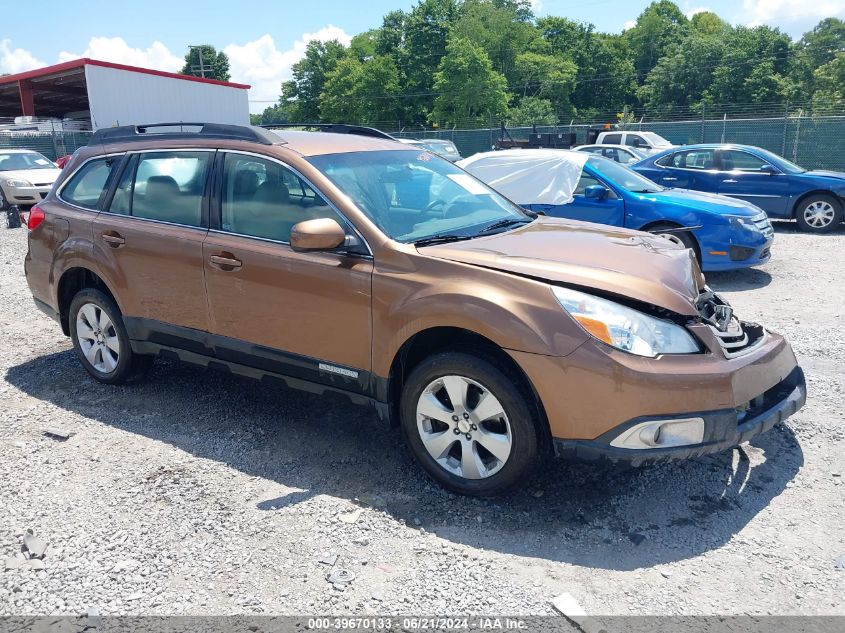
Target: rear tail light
{"type": "Point", "coordinates": [36, 217]}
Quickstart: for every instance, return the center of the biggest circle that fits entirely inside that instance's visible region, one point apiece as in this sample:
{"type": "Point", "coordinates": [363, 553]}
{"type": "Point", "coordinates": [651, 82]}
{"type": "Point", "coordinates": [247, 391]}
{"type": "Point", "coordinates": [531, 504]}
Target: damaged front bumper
{"type": "Point", "coordinates": [720, 429]}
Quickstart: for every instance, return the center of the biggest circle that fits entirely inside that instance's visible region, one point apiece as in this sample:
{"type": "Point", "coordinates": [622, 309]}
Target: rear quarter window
{"type": "Point", "coordinates": [88, 185]}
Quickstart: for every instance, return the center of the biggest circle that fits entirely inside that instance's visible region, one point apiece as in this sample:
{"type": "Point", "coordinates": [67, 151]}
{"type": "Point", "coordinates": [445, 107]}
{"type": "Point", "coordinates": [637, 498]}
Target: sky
{"type": "Point", "coordinates": [265, 38]}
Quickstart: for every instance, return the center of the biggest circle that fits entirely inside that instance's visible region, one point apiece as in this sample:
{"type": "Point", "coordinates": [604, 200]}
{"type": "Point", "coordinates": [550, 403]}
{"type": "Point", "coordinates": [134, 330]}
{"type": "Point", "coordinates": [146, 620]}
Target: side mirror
{"type": "Point", "coordinates": [596, 192]}
{"type": "Point", "coordinates": [322, 234]}
{"type": "Point", "coordinates": [768, 169]}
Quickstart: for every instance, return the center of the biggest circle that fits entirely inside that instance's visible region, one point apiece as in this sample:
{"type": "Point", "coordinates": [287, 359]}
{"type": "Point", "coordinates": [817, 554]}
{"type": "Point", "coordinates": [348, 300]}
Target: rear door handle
{"type": "Point", "coordinates": [669, 179]}
{"type": "Point", "coordinates": [226, 261]}
{"type": "Point", "coordinates": [730, 180]}
{"type": "Point", "coordinates": [113, 239]}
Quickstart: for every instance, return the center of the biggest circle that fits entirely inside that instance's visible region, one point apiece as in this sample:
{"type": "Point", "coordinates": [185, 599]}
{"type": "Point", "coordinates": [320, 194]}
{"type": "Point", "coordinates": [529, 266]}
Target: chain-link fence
{"type": "Point", "coordinates": [811, 137]}
{"type": "Point", "coordinates": [46, 136]}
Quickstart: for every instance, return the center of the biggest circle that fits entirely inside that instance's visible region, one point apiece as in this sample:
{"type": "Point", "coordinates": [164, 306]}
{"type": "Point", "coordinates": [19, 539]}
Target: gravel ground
{"type": "Point", "coordinates": [200, 493]}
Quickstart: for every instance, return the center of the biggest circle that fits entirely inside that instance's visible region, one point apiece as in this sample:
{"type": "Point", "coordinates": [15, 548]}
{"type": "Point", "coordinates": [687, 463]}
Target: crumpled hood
{"type": "Point", "coordinates": [35, 176]}
{"type": "Point", "coordinates": [704, 202]}
{"type": "Point", "coordinates": [617, 261]}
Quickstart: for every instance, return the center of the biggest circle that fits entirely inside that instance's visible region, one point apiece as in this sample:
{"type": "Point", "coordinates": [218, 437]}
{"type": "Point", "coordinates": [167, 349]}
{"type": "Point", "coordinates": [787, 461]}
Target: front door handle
{"type": "Point", "coordinates": [113, 239]}
{"type": "Point", "coordinates": [226, 261]}
{"type": "Point", "coordinates": [730, 180]}
{"type": "Point", "coordinates": [669, 179]}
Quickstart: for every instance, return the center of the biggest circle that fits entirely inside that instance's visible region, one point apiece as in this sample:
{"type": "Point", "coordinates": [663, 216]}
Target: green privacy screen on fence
{"type": "Point", "coordinates": [814, 142]}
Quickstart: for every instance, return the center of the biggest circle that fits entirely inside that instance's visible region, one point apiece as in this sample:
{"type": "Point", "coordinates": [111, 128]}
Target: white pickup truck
{"type": "Point", "coordinates": [648, 142]}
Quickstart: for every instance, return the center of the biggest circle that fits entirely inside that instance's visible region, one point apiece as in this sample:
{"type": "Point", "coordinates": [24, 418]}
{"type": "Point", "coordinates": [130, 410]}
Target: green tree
{"type": "Point", "coordinates": [815, 49]}
{"type": "Point", "coordinates": [302, 93]}
{"type": "Point", "coordinates": [605, 78]}
{"type": "Point", "coordinates": [546, 77]}
{"type": "Point", "coordinates": [661, 25]}
{"type": "Point", "coordinates": [498, 27]}
{"type": "Point", "coordinates": [830, 85]}
{"type": "Point", "coordinates": [364, 45]}
{"type": "Point", "coordinates": [362, 92]}
{"type": "Point", "coordinates": [753, 67]}
{"type": "Point", "coordinates": [468, 90]}
{"type": "Point", "coordinates": [205, 61]}
{"type": "Point", "coordinates": [708, 23]}
{"type": "Point", "coordinates": [531, 110]}
{"type": "Point", "coordinates": [424, 43]}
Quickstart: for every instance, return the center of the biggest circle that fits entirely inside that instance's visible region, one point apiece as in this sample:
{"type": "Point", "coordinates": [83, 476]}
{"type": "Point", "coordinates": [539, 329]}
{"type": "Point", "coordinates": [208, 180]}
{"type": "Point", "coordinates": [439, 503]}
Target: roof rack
{"type": "Point", "coordinates": [124, 133]}
{"type": "Point", "coordinates": [334, 128]}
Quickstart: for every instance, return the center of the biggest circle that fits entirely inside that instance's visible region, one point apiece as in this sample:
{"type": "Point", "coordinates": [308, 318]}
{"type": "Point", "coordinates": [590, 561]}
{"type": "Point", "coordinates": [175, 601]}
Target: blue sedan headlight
{"type": "Point", "coordinates": [744, 222]}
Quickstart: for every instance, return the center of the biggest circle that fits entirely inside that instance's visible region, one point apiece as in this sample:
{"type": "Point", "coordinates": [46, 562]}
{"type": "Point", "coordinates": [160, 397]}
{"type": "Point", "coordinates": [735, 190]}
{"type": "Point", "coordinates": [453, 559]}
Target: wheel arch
{"type": "Point", "coordinates": [71, 282]}
{"type": "Point", "coordinates": [440, 339]}
{"type": "Point", "coordinates": [671, 223]}
{"type": "Point", "coordinates": [815, 192]}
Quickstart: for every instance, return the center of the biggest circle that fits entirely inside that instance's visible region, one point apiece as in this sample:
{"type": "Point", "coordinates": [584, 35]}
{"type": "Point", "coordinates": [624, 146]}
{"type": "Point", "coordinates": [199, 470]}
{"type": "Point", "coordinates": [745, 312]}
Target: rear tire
{"type": "Point", "coordinates": [483, 446]}
{"type": "Point", "coordinates": [100, 339]}
{"type": "Point", "coordinates": [818, 214]}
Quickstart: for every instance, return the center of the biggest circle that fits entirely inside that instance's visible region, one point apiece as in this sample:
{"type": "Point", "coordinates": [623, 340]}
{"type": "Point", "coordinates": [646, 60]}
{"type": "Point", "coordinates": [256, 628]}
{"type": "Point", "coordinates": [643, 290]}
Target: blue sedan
{"type": "Point", "coordinates": [779, 187]}
{"type": "Point", "coordinates": [724, 233]}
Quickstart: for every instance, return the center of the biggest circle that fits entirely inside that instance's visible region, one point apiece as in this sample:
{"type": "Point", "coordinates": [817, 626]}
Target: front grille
{"type": "Point", "coordinates": [735, 337]}
{"type": "Point", "coordinates": [43, 184]}
{"type": "Point", "coordinates": [765, 253]}
{"type": "Point", "coordinates": [761, 221]}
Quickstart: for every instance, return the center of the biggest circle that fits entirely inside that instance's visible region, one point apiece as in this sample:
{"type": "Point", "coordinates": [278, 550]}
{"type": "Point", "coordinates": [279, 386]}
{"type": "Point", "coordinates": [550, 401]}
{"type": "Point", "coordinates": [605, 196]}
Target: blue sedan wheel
{"type": "Point", "coordinates": [818, 214]}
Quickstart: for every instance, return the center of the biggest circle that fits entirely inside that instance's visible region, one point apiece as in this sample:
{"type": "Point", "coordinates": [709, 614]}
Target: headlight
{"type": "Point", "coordinates": [743, 222]}
{"type": "Point", "coordinates": [18, 183]}
{"type": "Point", "coordinates": [625, 328]}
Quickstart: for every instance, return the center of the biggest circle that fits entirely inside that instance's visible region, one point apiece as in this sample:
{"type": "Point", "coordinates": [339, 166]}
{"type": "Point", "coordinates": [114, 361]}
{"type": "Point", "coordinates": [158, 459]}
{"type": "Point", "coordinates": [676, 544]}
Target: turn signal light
{"type": "Point", "coordinates": [36, 217]}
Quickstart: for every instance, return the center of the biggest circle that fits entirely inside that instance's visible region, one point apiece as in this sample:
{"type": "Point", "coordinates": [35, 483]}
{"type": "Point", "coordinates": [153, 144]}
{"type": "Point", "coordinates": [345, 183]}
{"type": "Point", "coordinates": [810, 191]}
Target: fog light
{"type": "Point", "coordinates": [662, 434]}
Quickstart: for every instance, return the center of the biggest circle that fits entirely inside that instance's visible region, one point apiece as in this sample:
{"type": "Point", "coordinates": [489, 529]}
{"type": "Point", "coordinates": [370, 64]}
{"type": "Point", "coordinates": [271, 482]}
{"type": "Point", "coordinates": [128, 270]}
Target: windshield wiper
{"type": "Point", "coordinates": [501, 224]}
{"type": "Point", "coordinates": [442, 239]}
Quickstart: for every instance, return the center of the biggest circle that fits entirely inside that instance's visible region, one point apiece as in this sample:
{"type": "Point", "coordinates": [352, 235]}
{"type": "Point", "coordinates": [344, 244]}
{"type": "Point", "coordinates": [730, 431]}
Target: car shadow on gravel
{"type": "Point", "coordinates": [738, 280]}
{"type": "Point", "coordinates": [593, 515]}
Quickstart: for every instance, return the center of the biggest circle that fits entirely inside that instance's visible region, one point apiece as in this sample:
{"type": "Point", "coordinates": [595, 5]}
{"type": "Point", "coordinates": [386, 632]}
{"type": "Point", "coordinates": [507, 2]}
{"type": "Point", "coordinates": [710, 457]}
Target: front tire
{"type": "Point", "coordinates": [100, 339]}
{"type": "Point", "coordinates": [469, 425]}
{"type": "Point", "coordinates": [818, 214]}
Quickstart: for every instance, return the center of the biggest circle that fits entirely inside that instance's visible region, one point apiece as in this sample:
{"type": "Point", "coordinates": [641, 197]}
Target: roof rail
{"type": "Point", "coordinates": [124, 133]}
{"type": "Point", "coordinates": [334, 128]}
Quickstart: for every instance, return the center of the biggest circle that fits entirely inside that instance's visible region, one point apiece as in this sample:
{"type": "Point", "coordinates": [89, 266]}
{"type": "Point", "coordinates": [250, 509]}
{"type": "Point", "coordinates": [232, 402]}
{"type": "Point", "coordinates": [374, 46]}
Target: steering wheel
{"type": "Point", "coordinates": [433, 205]}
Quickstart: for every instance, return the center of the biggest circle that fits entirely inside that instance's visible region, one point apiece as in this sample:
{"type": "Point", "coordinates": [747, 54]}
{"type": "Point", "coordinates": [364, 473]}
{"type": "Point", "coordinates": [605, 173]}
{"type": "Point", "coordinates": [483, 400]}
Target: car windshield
{"type": "Point", "coordinates": [655, 139]}
{"type": "Point", "coordinates": [622, 176]}
{"type": "Point", "coordinates": [781, 163]}
{"type": "Point", "coordinates": [14, 161]}
{"type": "Point", "coordinates": [413, 195]}
{"type": "Point", "coordinates": [440, 146]}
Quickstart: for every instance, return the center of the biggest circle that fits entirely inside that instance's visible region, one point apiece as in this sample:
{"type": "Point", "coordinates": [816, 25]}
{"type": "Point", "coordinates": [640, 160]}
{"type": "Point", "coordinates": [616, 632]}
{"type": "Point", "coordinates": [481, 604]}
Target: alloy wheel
{"type": "Point", "coordinates": [672, 237]}
{"type": "Point", "coordinates": [97, 338]}
{"type": "Point", "coordinates": [819, 214]}
{"type": "Point", "coordinates": [464, 427]}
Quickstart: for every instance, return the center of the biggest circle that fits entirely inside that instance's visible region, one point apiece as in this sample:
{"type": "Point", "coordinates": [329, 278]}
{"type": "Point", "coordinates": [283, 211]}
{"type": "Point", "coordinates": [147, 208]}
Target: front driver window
{"type": "Point", "coordinates": [262, 198]}
{"type": "Point", "coordinates": [586, 180]}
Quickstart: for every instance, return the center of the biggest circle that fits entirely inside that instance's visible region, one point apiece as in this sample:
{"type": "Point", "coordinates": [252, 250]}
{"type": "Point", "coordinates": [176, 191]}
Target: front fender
{"type": "Point", "coordinates": [516, 313]}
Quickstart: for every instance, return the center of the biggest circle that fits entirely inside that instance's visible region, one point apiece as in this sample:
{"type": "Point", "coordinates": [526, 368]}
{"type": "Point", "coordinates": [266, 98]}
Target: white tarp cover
{"type": "Point", "coordinates": [529, 176]}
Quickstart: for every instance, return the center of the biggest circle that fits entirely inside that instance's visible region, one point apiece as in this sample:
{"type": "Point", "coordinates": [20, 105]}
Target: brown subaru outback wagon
{"type": "Point", "coordinates": [340, 261]}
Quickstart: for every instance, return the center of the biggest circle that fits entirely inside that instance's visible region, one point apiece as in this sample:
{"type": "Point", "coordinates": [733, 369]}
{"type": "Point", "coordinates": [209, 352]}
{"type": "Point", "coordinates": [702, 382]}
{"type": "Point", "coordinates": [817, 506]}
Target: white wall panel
{"type": "Point", "coordinates": [121, 97]}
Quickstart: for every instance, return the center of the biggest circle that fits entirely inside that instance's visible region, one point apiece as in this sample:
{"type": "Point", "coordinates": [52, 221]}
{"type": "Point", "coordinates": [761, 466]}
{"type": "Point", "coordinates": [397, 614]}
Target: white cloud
{"type": "Point", "coordinates": [16, 60]}
{"type": "Point", "coordinates": [262, 65]}
{"type": "Point", "coordinates": [115, 49]}
{"type": "Point", "coordinates": [629, 25]}
{"type": "Point", "coordinates": [691, 12]}
{"type": "Point", "coordinates": [794, 16]}
{"type": "Point", "coordinates": [536, 6]}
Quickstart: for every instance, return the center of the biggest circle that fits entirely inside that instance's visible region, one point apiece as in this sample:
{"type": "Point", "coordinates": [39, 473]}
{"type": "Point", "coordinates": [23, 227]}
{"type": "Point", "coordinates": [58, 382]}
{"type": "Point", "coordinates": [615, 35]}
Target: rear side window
{"type": "Point", "coordinates": [167, 186]}
{"type": "Point", "coordinates": [612, 139]}
{"type": "Point", "coordinates": [88, 185]}
{"type": "Point", "coordinates": [693, 159]}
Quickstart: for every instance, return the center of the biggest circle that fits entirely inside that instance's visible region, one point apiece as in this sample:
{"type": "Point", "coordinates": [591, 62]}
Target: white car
{"type": "Point", "coordinates": [26, 177]}
{"type": "Point", "coordinates": [619, 153]}
{"type": "Point", "coordinates": [648, 142]}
